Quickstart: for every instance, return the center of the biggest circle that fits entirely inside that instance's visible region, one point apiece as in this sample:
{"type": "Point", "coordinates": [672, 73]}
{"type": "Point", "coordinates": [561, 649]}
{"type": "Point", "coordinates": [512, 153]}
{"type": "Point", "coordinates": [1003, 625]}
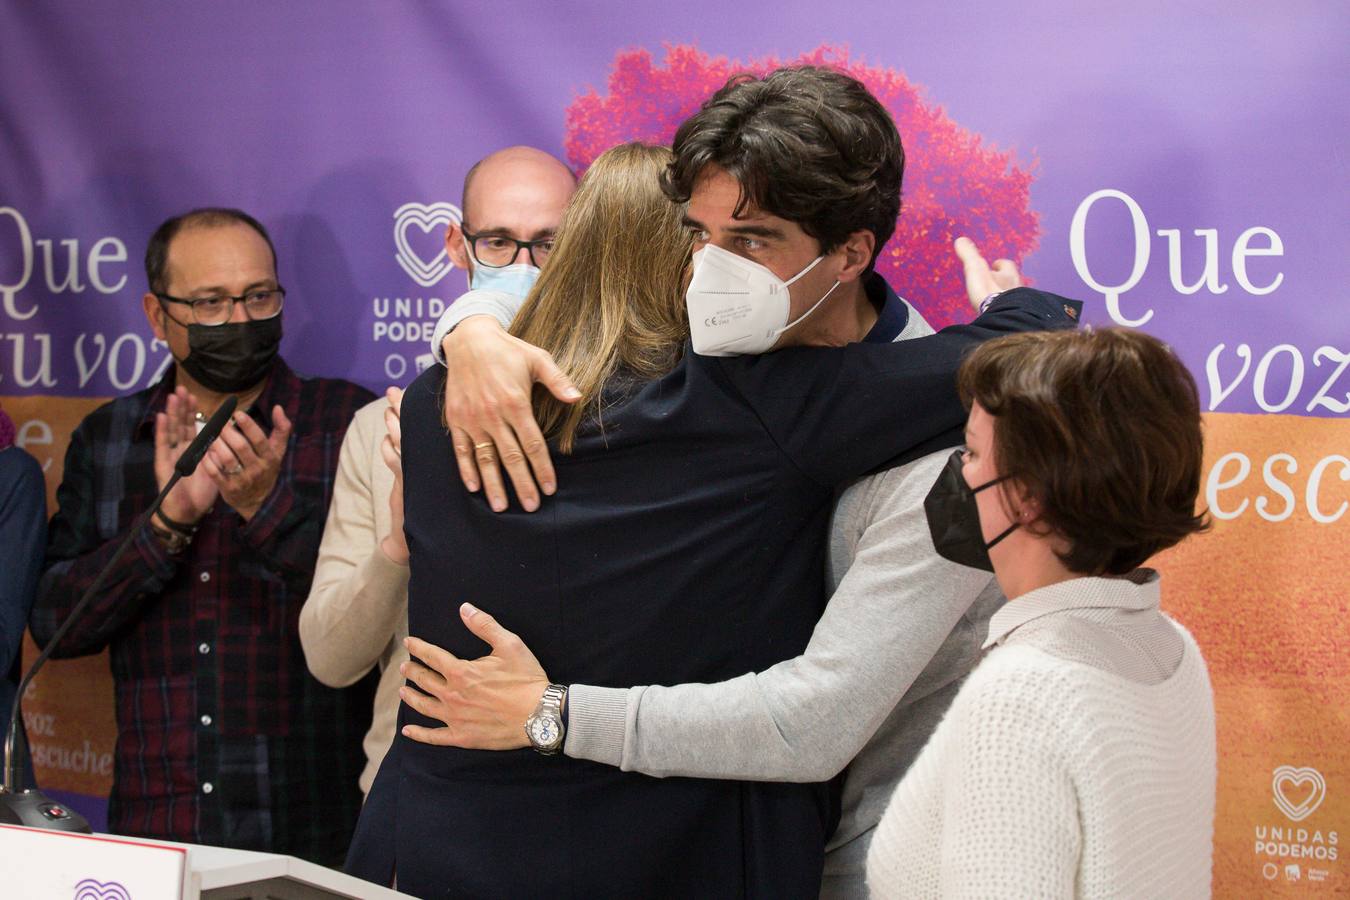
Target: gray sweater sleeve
{"type": "Point", "coordinates": [806, 718]}
{"type": "Point", "coordinates": [502, 307]}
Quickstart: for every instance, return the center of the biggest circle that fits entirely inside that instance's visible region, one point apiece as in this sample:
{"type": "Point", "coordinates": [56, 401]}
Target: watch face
{"type": "Point", "coordinates": [544, 730]}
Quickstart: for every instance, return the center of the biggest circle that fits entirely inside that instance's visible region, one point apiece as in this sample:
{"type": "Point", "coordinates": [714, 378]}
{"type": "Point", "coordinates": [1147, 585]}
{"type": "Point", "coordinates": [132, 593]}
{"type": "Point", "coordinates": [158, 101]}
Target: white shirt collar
{"type": "Point", "coordinates": [1138, 591]}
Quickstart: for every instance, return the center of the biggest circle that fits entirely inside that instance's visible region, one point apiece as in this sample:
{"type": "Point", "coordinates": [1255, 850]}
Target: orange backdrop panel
{"type": "Point", "coordinates": [68, 708]}
{"type": "Point", "coordinates": [1269, 604]}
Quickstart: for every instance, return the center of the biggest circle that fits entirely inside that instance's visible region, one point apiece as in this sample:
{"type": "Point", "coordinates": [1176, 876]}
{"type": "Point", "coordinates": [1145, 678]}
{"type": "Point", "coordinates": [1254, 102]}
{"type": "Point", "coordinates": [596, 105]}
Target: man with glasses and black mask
{"type": "Point", "coordinates": [223, 737]}
{"type": "Point", "coordinates": [356, 616]}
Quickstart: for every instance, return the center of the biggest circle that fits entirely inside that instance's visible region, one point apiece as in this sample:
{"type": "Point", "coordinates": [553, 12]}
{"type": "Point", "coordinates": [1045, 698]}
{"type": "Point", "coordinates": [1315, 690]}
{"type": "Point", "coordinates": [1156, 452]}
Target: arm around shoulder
{"type": "Point", "coordinates": [839, 413]}
{"type": "Point", "coordinates": [500, 306]}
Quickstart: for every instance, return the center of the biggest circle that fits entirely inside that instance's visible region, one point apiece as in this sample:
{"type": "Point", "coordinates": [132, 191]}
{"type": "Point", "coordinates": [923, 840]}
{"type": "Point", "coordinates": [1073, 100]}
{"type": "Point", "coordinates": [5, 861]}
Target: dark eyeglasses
{"type": "Point", "coordinates": [262, 303]}
{"type": "Point", "coordinates": [497, 250]}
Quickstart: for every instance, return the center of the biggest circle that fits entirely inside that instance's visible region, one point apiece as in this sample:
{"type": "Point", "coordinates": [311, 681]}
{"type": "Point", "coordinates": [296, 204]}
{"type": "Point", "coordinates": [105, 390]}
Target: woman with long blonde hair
{"type": "Point", "coordinates": [683, 544]}
{"type": "Point", "coordinates": [617, 266]}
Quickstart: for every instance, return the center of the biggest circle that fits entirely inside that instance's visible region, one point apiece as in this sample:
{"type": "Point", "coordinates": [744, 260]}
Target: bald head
{"type": "Point", "coordinates": [526, 174]}
{"type": "Point", "coordinates": [518, 193]}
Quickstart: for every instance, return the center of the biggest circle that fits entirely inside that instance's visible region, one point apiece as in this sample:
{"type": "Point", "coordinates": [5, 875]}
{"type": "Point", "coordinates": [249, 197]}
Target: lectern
{"type": "Point", "coordinates": [55, 865]}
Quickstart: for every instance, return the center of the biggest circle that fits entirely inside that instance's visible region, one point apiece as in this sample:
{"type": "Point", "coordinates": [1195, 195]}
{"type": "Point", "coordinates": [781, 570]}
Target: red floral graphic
{"type": "Point", "coordinates": [955, 184]}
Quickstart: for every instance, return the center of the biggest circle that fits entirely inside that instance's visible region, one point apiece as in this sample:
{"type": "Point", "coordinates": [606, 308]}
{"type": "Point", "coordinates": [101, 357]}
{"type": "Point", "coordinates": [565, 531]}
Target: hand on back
{"type": "Point", "coordinates": [482, 703]}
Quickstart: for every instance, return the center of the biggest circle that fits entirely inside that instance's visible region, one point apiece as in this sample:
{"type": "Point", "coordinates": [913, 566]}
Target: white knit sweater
{"type": "Point", "coordinates": [1052, 778]}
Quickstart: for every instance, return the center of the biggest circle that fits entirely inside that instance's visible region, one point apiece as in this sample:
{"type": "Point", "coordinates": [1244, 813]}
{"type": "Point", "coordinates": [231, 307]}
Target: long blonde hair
{"type": "Point", "coordinates": [611, 296]}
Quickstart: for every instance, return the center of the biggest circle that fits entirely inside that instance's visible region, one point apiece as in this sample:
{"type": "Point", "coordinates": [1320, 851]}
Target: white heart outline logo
{"type": "Point", "coordinates": [1288, 775]}
{"type": "Point", "coordinates": [425, 216]}
{"type": "Point", "coordinates": [89, 889]}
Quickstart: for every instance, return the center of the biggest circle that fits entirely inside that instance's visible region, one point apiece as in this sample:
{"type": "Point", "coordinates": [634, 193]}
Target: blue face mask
{"type": "Point", "coordinates": [515, 280]}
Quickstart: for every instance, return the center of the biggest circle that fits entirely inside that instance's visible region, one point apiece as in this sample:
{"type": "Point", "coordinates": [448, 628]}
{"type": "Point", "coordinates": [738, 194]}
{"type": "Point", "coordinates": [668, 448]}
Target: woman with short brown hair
{"type": "Point", "coordinates": [1079, 757]}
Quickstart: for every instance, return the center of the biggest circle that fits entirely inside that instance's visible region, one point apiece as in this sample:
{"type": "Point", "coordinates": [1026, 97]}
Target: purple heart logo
{"type": "Point", "coordinates": [89, 889]}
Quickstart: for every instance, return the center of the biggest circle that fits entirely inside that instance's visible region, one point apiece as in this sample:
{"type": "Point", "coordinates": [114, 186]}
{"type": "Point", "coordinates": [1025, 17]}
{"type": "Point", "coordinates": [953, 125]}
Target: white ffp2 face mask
{"type": "Point", "coordinates": [738, 307]}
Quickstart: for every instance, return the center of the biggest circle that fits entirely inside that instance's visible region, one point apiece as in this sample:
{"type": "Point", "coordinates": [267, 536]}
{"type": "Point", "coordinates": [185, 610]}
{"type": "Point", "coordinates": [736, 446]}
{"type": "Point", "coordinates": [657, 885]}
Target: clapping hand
{"type": "Point", "coordinates": [394, 544]}
{"type": "Point", "coordinates": [174, 430]}
{"type": "Point", "coordinates": [244, 462]}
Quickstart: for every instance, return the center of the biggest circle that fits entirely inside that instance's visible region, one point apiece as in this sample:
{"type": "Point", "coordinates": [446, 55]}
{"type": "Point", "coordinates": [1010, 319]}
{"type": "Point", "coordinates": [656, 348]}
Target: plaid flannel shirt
{"type": "Point", "coordinates": [223, 736]}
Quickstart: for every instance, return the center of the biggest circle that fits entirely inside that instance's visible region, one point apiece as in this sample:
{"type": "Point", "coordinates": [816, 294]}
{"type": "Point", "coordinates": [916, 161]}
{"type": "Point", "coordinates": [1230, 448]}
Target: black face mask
{"type": "Point", "coordinates": [954, 518]}
{"type": "Point", "coordinates": [233, 357]}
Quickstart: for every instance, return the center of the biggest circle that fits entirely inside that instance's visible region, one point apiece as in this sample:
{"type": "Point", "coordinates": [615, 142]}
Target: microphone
{"type": "Point", "coordinates": [28, 806]}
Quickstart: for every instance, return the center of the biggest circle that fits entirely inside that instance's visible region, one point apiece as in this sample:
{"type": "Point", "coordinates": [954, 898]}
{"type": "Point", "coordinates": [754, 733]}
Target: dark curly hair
{"type": "Point", "coordinates": [807, 144]}
{"type": "Point", "coordinates": [1102, 428]}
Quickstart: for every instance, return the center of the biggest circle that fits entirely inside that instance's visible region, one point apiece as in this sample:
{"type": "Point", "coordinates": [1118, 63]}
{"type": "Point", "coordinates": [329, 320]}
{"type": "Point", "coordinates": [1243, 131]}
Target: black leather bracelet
{"type": "Point", "coordinates": [182, 528]}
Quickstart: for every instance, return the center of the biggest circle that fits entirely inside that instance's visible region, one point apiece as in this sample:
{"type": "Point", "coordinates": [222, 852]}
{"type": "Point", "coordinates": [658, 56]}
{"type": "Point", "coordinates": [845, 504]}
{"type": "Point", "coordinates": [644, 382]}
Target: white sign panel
{"type": "Point", "coordinates": [54, 865]}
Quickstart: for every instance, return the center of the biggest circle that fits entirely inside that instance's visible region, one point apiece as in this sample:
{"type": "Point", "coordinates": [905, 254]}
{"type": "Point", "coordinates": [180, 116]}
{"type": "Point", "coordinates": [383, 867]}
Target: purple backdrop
{"type": "Point", "coordinates": [325, 119]}
{"type": "Point", "coordinates": [1179, 166]}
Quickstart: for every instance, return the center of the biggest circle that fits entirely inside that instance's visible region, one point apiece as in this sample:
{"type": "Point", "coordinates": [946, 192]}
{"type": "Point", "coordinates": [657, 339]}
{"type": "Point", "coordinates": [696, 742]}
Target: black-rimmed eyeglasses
{"type": "Point", "coordinates": [497, 250]}
{"type": "Point", "coordinates": [263, 303]}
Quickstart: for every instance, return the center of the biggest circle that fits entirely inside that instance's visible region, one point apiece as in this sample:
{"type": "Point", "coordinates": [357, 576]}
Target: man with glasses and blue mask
{"type": "Point", "coordinates": [223, 737]}
{"type": "Point", "coordinates": [356, 616]}
{"type": "Point", "coordinates": [513, 201]}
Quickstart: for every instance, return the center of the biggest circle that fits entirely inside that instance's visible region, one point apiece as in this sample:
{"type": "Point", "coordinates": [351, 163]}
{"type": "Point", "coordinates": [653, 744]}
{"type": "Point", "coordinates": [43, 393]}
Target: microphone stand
{"type": "Point", "coordinates": [29, 806]}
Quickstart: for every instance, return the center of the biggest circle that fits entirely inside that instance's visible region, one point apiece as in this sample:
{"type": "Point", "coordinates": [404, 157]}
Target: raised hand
{"type": "Point", "coordinates": [174, 430]}
{"type": "Point", "coordinates": [982, 279]}
{"type": "Point", "coordinates": [394, 544]}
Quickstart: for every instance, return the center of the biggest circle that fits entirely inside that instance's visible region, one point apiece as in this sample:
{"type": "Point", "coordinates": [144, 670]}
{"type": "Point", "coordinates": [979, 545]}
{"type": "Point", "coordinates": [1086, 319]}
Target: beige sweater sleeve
{"type": "Point", "coordinates": [359, 595]}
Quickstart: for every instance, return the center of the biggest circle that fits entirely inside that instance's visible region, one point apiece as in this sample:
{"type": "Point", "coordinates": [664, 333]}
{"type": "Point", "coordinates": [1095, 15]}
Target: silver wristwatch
{"type": "Point", "coordinates": [545, 727]}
